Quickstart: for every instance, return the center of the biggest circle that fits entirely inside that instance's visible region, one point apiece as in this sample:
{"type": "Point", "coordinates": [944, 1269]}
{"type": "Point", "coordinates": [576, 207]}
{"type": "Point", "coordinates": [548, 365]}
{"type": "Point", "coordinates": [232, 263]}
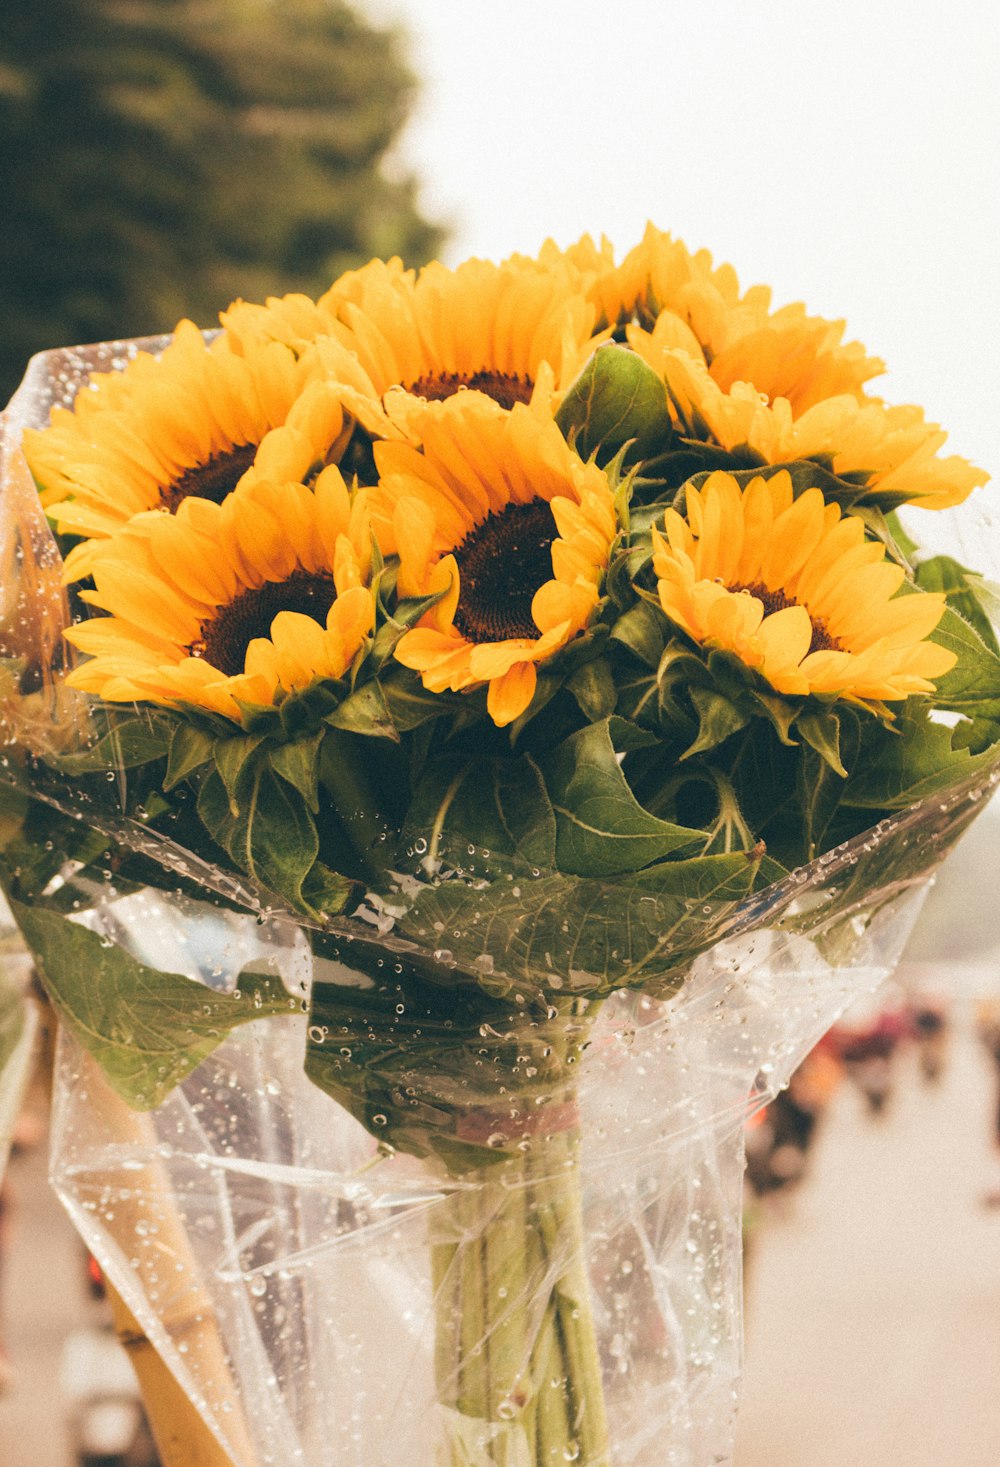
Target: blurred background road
{"type": "Point", "coordinates": [873, 1292]}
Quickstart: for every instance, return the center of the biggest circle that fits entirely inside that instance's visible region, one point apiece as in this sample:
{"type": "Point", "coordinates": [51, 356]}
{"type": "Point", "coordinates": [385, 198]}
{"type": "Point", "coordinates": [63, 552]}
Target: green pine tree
{"type": "Point", "coordinates": [160, 157]}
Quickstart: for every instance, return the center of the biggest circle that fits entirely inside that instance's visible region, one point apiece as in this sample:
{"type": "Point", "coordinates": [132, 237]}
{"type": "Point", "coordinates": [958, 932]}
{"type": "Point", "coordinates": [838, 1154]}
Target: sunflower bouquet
{"type": "Point", "coordinates": [466, 668]}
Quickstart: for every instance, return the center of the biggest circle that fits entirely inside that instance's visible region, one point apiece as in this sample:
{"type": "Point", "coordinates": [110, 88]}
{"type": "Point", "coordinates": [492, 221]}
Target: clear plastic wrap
{"type": "Point", "coordinates": [415, 1183]}
{"type": "Point", "coordinates": [250, 1199]}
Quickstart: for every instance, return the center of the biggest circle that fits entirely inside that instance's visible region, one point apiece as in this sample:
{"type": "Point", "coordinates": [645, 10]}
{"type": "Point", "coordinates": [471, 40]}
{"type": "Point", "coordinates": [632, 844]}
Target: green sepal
{"type": "Point", "coordinates": [393, 705]}
{"type": "Point", "coordinates": [404, 615]}
{"type": "Point", "coordinates": [820, 729]}
{"type": "Point", "coordinates": [191, 748]}
{"type": "Point", "coordinates": [593, 687]}
{"type": "Point", "coordinates": [780, 713]}
{"type": "Point", "coordinates": [230, 758]}
{"type": "Point", "coordinates": [805, 474]}
{"type": "Point", "coordinates": [303, 712]}
{"type": "Point", "coordinates": [659, 479]}
{"type": "Point", "coordinates": [643, 630]}
{"type": "Point", "coordinates": [884, 527]}
{"type": "Point", "coordinates": [297, 764]}
{"type": "Point", "coordinates": [616, 400]}
{"type": "Point", "coordinates": [718, 719]}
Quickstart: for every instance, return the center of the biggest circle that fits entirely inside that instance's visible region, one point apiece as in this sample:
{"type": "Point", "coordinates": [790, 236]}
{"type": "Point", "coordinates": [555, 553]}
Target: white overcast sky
{"type": "Point", "coordinates": [845, 153]}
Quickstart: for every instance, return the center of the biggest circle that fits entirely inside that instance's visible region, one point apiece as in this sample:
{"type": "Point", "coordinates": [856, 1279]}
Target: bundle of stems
{"type": "Point", "coordinates": [517, 1364]}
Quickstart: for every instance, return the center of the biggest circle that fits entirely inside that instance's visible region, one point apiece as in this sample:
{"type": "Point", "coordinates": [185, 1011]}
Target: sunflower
{"type": "Point", "coordinates": [241, 602]}
{"type": "Point", "coordinates": [295, 320]}
{"type": "Point", "coordinates": [697, 307]}
{"type": "Point", "coordinates": [661, 274]}
{"type": "Point", "coordinates": [891, 450]}
{"type": "Point", "coordinates": [796, 591]}
{"type": "Point", "coordinates": [592, 267]}
{"type": "Point", "coordinates": [185, 424]}
{"type": "Point", "coordinates": [497, 515]}
{"type": "Point", "coordinates": [513, 331]}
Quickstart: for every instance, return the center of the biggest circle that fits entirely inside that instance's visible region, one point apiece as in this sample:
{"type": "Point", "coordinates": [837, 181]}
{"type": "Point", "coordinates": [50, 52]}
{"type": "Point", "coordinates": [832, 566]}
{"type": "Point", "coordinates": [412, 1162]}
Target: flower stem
{"type": "Point", "coordinates": [516, 1353]}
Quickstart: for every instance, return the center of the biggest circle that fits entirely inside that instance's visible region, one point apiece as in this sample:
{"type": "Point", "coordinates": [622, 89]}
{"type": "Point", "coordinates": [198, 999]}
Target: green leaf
{"type": "Point", "coordinates": [264, 825]}
{"type": "Point", "coordinates": [972, 686]}
{"type": "Point", "coordinates": [601, 829]}
{"type": "Point", "coordinates": [495, 805]}
{"type": "Point", "coordinates": [325, 890]}
{"type": "Point", "coordinates": [966, 593]}
{"type": "Point", "coordinates": [895, 770]}
{"type": "Point", "coordinates": [584, 936]}
{"type": "Point", "coordinates": [190, 748]}
{"type": "Point", "coordinates": [146, 1029]}
{"type": "Point", "coordinates": [12, 1021]}
{"type": "Point", "coordinates": [615, 399]}
{"type": "Point", "coordinates": [125, 744]}
{"type": "Point", "coordinates": [414, 1059]}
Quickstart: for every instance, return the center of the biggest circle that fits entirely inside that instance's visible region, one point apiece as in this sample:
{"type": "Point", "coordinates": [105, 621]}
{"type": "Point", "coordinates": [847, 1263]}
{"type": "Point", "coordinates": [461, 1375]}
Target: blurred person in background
{"type": "Point", "coordinates": [930, 1024]}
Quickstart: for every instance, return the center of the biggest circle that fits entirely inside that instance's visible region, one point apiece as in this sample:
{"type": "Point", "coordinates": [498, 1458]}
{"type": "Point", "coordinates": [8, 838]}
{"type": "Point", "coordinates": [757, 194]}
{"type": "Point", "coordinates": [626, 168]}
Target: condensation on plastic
{"type": "Point", "coordinates": [251, 1198]}
{"type": "Point", "coordinates": [284, 1263]}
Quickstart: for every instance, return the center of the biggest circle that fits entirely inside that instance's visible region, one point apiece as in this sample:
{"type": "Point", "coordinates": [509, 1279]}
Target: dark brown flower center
{"type": "Point", "coordinates": [211, 480]}
{"type": "Point", "coordinates": [503, 388]}
{"type": "Point", "coordinates": [501, 565]}
{"type": "Point", "coordinates": [226, 636]}
{"type": "Point", "coordinates": [820, 641]}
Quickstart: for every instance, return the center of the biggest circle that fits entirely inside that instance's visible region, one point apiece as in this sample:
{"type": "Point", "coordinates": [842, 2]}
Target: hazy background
{"type": "Point", "coordinates": [846, 154]}
{"type": "Point", "coordinates": [160, 156]}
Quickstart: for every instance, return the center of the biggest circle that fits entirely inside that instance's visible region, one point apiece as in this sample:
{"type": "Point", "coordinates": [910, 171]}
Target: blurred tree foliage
{"type": "Point", "coordinates": [160, 157]}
